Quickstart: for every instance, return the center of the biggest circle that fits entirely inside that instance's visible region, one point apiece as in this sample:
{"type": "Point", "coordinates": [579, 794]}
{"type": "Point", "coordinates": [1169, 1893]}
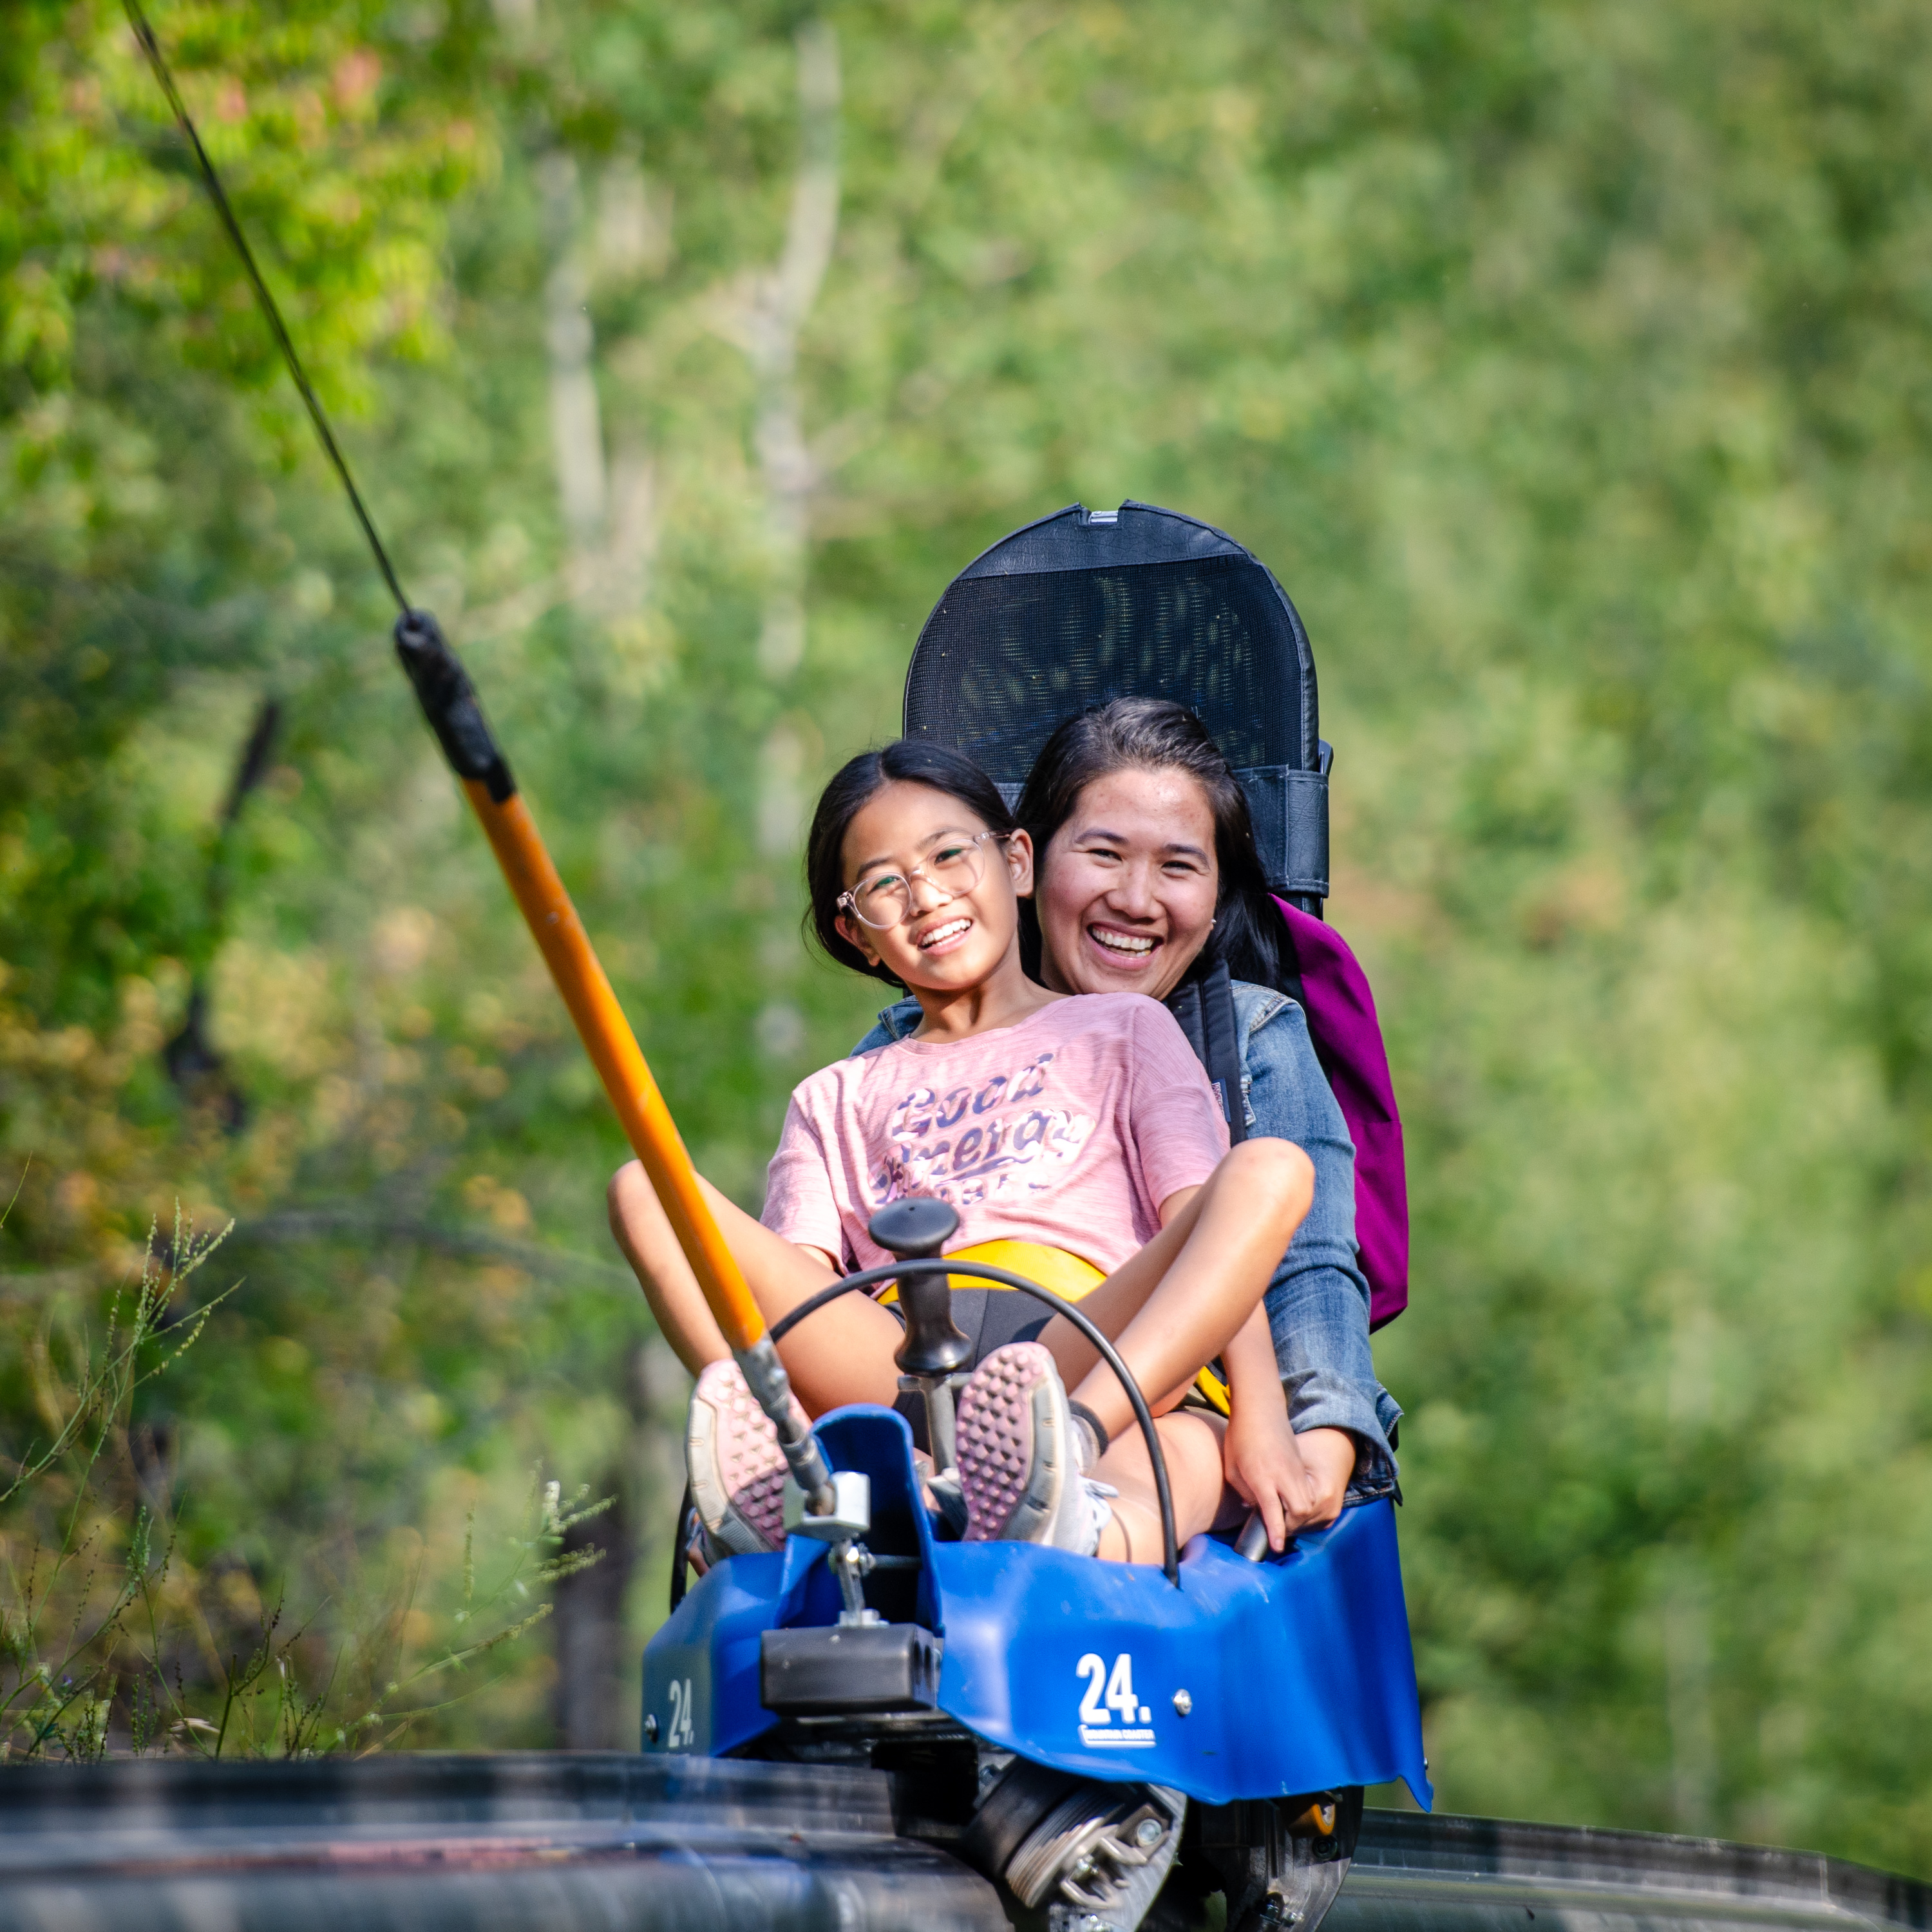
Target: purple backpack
{"type": "Point", "coordinates": [1348, 1039]}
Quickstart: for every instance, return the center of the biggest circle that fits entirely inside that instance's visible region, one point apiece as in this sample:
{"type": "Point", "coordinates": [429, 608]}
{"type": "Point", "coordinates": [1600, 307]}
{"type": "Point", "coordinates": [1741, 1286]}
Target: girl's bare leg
{"type": "Point", "coordinates": [1180, 1301]}
{"type": "Point", "coordinates": [1176, 1303]}
{"type": "Point", "coordinates": [1191, 1442]}
{"type": "Point", "coordinates": [644, 1233]}
{"type": "Point", "coordinates": [841, 1354]}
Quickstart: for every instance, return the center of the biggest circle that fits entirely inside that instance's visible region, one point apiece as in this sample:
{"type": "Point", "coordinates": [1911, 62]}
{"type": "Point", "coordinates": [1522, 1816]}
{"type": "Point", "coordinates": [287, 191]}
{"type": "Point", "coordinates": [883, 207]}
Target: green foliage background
{"type": "Point", "coordinates": [1568, 363]}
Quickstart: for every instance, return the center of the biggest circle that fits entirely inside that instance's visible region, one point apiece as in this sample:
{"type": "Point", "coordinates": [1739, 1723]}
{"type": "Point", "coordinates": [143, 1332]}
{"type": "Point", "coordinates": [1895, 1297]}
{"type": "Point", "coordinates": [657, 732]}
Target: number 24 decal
{"type": "Point", "coordinates": [1109, 1693]}
{"type": "Point", "coordinates": [683, 1732]}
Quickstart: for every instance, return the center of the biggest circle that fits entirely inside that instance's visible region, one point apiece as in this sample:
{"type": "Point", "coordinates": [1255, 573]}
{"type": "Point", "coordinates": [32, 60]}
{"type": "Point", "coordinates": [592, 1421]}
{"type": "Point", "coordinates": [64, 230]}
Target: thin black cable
{"type": "Point", "coordinates": [680, 1555]}
{"type": "Point", "coordinates": [218, 195]}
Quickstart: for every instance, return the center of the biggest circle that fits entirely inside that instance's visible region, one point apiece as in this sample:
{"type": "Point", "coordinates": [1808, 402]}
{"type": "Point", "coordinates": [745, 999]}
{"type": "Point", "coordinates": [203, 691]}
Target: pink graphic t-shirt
{"type": "Point", "coordinates": [1069, 1129]}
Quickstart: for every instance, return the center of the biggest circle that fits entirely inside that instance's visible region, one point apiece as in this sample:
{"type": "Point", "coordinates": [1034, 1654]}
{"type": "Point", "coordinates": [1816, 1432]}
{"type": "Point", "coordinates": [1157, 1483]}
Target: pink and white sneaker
{"type": "Point", "coordinates": [737, 1469]}
{"type": "Point", "coordinates": [1019, 1455]}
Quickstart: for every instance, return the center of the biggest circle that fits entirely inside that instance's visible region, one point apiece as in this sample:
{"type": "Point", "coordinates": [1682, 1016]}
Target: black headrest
{"type": "Point", "coordinates": [1089, 605]}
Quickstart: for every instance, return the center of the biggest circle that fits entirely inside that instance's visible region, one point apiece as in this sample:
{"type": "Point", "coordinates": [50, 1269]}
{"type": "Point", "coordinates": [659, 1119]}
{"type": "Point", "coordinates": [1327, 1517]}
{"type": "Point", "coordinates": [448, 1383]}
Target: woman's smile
{"type": "Point", "coordinates": [1123, 948]}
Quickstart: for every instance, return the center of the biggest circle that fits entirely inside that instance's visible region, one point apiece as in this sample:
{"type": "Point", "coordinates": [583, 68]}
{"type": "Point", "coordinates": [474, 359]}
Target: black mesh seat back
{"type": "Point", "coordinates": [1083, 606]}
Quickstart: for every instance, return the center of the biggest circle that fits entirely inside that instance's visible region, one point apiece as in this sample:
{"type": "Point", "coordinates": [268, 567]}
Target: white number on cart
{"type": "Point", "coordinates": [1112, 1717]}
{"type": "Point", "coordinates": [683, 1731]}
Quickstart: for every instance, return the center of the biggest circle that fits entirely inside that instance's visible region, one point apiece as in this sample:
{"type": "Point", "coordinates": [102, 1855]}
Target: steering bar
{"type": "Point", "coordinates": [899, 1271]}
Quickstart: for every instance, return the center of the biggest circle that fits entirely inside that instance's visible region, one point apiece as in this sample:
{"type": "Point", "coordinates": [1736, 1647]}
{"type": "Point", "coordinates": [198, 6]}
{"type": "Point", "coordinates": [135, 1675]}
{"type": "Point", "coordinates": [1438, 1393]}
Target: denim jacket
{"type": "Point", "coordinates": [1318, 1303]}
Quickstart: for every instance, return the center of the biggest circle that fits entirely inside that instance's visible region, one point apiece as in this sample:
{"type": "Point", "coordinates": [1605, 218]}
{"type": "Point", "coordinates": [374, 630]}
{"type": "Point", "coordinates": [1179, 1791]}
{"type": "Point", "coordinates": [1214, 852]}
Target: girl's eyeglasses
{"type": "Point", "coordinates": [883, 898]}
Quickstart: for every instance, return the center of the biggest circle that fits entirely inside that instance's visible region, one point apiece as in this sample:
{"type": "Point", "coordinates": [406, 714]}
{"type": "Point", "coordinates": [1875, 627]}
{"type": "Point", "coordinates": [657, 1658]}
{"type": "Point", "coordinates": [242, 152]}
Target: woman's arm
{"type": "Point", "coordinates": [1298, 1481]}
{"type": "Point", "coordinates": [1258, 1453]}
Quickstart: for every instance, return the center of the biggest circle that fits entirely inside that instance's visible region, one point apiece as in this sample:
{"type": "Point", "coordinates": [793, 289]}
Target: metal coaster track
{"type": "Point", "coordinates": [1414, 1872]}
{"type": "Point", "coordinates": [555, 1842]}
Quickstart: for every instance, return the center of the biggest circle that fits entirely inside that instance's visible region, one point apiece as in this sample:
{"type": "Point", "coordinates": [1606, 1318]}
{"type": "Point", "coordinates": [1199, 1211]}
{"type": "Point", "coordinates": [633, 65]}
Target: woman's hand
{"type": "Point", "coordinates": [1260, 1459]}
{"type": "Point", "coordinates": [1328, 1455]}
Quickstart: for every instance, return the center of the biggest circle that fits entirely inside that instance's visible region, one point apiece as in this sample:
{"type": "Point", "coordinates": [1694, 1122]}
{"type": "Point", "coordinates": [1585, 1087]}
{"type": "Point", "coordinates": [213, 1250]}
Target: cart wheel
{"type": "Point", "coordinates": [1071, 1853]}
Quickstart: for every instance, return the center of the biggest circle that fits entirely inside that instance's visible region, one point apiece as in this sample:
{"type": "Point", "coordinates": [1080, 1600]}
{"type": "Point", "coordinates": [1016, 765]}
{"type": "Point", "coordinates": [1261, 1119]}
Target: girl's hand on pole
{"type": "Point", "coordinates": [1258, 1453]}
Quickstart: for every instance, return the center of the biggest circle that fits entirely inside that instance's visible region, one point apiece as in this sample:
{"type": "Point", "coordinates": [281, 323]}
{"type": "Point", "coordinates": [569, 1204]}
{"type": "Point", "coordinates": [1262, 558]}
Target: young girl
{"type": "Point", "coordinates": [1083, 1123]}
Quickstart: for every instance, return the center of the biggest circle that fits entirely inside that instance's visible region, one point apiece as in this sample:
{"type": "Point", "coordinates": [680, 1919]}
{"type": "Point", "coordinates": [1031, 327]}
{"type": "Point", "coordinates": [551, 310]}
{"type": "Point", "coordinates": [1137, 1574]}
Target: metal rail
{"type": "Point", "coordinates": [1417, 1873]}
{"type": "Point", "coordinates": [554, 1842]}
{"type": "Point", "coordinates": [539, 1842]}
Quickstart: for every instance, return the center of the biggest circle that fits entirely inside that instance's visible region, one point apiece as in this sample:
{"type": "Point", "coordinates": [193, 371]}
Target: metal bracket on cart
{"type": "Point", "coordinates": [1280, 1861]}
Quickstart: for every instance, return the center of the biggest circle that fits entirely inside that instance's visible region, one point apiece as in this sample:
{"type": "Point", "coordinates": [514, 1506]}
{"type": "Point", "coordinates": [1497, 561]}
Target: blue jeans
{"type": "Point", "coordinates": [1318, 1303]}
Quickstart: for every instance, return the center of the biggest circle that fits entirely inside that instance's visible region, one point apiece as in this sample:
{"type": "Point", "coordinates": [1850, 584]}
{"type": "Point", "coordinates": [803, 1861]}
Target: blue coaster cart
{"type": "Point", "coordinates": [1109, 1742]}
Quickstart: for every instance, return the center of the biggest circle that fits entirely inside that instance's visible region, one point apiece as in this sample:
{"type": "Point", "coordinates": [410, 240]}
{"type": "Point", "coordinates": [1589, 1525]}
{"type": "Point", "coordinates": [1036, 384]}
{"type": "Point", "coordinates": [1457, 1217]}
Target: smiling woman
{"type": "Point", "coordinates": [1149, 881]}
{"type": "Point", "coordinates": [1147, 853]}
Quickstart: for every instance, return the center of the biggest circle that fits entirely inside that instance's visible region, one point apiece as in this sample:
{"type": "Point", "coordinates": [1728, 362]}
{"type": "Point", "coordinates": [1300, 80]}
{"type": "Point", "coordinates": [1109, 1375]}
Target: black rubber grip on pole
{"type": "Point", "coordinates": [449, 702]}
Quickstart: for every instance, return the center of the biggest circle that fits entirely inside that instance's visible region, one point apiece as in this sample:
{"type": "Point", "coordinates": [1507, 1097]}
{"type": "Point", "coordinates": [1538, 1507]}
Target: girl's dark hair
{"type": "Point", "coordinates": [1157, 734]}
{"type": "Point", "coordinates": [905, 760]}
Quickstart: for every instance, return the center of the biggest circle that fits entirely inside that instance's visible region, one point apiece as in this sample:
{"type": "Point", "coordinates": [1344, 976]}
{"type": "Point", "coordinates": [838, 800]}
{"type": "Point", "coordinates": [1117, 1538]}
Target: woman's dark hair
{"type": "Point", "coordinates": [1157, 734]}
{"type": "Point", "coordinates": [905, 760]}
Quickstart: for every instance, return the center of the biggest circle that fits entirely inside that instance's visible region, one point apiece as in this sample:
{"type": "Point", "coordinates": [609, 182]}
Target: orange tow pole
{"type": "Point", "coordinates": [614, 1052]}
{"type": "Point", "coordinates": [449, 702]}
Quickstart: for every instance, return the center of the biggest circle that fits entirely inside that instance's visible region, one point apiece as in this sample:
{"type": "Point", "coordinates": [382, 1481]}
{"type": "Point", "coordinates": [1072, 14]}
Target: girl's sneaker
{"type": "Point", "coordinates": [737, 1469]}
{"type": "Point", "coordinates": [1019, 1463]}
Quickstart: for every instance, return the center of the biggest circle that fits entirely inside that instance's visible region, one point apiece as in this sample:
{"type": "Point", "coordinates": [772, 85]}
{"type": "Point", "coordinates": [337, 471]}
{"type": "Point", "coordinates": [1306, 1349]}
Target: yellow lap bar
{"type": "Point", "coordinates": [1066, 1275]}
{"type": "Point", "coordinates": [1213, 1391]}
{"type": "Point", "coordinates": [1056, 1270]}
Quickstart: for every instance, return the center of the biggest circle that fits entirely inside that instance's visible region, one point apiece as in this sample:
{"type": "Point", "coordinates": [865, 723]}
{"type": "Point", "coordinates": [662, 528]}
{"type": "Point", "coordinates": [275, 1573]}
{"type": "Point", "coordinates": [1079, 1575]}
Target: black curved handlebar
{"type": "Point", "coordinates": [1170, 1554]}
